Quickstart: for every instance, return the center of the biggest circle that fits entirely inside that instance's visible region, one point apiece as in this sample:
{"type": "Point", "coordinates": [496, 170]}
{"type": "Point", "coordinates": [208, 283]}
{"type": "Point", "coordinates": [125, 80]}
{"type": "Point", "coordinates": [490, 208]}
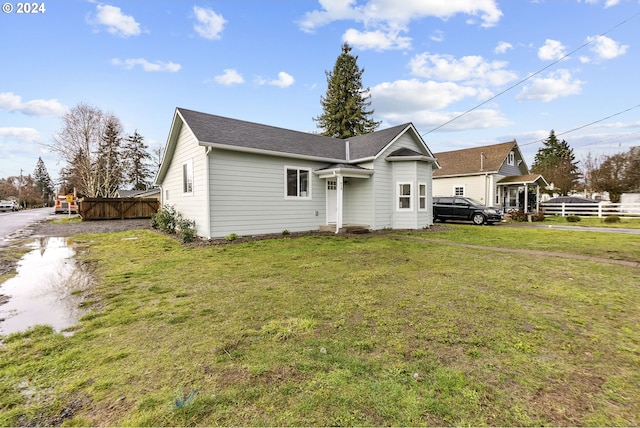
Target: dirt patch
{"type": "Point", "coordinates": [48, 228]}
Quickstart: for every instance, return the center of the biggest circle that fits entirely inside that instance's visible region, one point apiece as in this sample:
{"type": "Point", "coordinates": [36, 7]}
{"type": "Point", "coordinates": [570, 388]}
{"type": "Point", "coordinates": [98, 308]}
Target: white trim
{"type": "Point", "coordinates": [187, 178]}
{"type": "Point", "coordinates": [422, 197]}
{"type": "Point", "coordinates": [410, 196]}
{"type": "Point", "coordinates": [299, 197]}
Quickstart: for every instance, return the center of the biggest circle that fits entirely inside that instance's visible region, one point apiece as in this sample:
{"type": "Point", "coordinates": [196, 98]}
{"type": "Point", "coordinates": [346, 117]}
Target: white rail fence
{"type": "Point", "coordinates": [602, 209]}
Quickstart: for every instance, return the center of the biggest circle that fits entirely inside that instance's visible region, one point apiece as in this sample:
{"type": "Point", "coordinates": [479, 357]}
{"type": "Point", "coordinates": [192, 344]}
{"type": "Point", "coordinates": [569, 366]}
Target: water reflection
{"type": "Point", "coordinates": [45, 289]}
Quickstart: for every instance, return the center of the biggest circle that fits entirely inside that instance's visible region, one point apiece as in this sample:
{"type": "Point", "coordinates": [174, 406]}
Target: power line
{"type": "Point", "coordinates": [534, 74]}
{"type": "Point", "coordinates": [584, 126]}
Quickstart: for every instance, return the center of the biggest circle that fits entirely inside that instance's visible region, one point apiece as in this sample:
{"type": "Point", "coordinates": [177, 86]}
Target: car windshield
{"type": "Point", "coordinates": [474, 202]}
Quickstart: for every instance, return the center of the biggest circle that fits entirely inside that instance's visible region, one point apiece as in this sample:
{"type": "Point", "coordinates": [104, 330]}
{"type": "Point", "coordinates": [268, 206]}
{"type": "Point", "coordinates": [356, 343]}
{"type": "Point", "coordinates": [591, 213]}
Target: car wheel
{"type": "Point", "coordinates": [478, 219]}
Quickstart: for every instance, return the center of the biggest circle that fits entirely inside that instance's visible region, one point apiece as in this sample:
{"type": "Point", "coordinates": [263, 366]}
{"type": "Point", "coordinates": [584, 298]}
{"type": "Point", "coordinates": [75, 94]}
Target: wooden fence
{"type": "Point", "coordinates": [117, 208]}
{"type": "Point", "coordinates": [601, 209]}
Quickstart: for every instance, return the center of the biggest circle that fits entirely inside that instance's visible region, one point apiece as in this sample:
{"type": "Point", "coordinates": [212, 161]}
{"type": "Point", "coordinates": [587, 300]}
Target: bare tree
{"type": "Point", "coordinates": [89, 144]}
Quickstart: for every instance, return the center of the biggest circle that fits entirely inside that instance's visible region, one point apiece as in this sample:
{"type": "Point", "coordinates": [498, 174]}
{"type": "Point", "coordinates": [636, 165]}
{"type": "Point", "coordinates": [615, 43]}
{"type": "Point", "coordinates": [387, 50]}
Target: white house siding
{"type": "Point", "coordinates": [192, 206]}
{"type": "Point", "coordinates": [358, 201]}
{"type": "Point", "coordinates": [478, 187]}
{"type": "Point", "coordinates": [247, 194]}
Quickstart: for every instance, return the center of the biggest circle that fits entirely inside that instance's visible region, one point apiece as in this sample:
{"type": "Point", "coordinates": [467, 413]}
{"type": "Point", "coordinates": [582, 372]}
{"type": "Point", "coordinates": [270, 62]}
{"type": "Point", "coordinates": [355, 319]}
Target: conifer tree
{"type": "Point", "coordinates": [44, 185]}
{"type": "Point", "coordinates": [138, 172]}
{"type": "Point", "coordinates": [556, 162]}
{"type": "Point", "coordinates": [345, 104]}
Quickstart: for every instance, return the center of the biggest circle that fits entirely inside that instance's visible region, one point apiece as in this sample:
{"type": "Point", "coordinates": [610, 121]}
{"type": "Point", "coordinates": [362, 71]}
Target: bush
{"type": "Point", "coordinates": [612, 219]}
{"type": "Point", "coordinates": [170, 221]}
{"type": "Point", "coordinates": [572, 218]}
{"type": "Point", "coordinates": [539, 216]}
{"type": "Point", "coordinates": [231, 237]}
{"type": "Point", "coordinates": [517, 215]}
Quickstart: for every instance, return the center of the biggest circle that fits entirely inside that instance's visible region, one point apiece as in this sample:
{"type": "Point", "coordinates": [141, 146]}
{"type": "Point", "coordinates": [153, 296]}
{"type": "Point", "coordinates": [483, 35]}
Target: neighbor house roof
{"type": "Point", "coordinates": [476, 160]}
{"type": "Point", "coordinates": [524, 179]}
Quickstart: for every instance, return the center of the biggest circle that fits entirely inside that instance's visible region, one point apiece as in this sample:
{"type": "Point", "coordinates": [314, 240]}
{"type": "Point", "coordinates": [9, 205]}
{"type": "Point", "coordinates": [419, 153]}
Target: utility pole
{"type": "Point", "coordinates": [20, 188]}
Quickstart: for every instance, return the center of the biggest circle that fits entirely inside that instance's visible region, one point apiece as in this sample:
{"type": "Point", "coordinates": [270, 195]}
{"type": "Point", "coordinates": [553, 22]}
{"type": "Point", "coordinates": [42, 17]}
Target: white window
{"type": "Point", "coordinates": [422, 196]}
{"type": "Point", "coordinates": [512, 158]}
{"type": "Point", "coordinates": [297, 183]}
{"type": "Point", "coordinates": [404, 196]}
{"type": "Point", "coordinates": [458, 191]}
{"type": "Point", "coordinates": [187, 177]}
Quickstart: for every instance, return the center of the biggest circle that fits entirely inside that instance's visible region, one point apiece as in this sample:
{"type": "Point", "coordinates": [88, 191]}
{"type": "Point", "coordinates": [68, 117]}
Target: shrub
{"type": "Point", "coordinates": [612, 219]}
{"type": "Point", "coordinates": [166, 219]}
{"type": "Point", "coordinates": [286, 233]}
{"type": "Point", "coordinates": [170, 221]}
{"type": "Point", "coordinates": [517, 215]}
{"type": "Point", "coordinates": [539, 216]}
{"type": "Point", "coordinates": [572, 218]}
{"type": "Point", "coordinates": [231, 237]}
{"type": "Point", "coordinates": [186, 229]}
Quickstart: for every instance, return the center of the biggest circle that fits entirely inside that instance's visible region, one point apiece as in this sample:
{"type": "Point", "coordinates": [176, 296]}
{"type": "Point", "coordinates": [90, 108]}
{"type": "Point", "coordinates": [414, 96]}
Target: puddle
{"type": "Point", "coordinates": [45, 289]}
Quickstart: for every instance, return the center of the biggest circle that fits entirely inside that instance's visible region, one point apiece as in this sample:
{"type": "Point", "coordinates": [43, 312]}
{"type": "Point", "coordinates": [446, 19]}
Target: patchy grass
{"type": "Point", "coordinates": [629, 223]}
{"type": "Point", "coordinates": [335, 331]}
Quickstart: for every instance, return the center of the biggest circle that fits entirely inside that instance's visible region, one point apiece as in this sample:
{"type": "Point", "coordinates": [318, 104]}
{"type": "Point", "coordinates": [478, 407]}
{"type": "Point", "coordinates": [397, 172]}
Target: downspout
{"type": "Point", "coordinates": [340, 184]}
{"type": "Point", "coordinates": [206, 189]}
{"type": "Point", "coordinates": [347, 155]}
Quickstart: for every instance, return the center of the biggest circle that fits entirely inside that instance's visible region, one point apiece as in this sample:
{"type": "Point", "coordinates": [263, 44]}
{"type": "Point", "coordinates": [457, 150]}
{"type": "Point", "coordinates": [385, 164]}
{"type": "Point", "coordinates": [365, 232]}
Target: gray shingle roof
{"type": "Point", "coordinates": [209, 128]}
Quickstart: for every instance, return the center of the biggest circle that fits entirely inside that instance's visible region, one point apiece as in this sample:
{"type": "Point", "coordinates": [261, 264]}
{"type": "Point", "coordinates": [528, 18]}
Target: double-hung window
{"type": "Point", "coordinates": [297, 182]}
{"type": "Point", "coordinates": [404, 196]}
{"type": "Point", "coordinates": [187, 177]}
{"type": "Point", "coordinates": [422, 196]}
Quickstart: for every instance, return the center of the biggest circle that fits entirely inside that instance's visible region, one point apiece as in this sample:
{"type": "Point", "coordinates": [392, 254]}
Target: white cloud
{"type": "Point", "coordinates": [383, 20]}
{"type": "Point", "coordinates": [11, 102]}
{"type": "Point", "coordinates": [209, 24]}
{"type": "Point", "coordinates": [503, 47]}
{"type": "Point", "coordinates": [557, 84]}
{"type": "Point", "coordinates": [607, 3]}
{"type": "Point", "coordinates": [284, 80]}
{"type": "Point", "coordinates": [116, 22]}
{"type": "Point", "coordinates": [229, 77]}
{"type": "Point", "coordinates": [23, 135]}
{"type": "Point", "coordinates": [606, 48]}
{"type": "Point", "coordinates": [378, 40]}
{"type": "Point", "coordinates": [437, 36]}
{"type": "Point", "coordinates": [551, 50]}
{"type": "Point", "coordinates": [148, 66]}
{"type": "Point", "coordinates": [415, 95]}
{"type": "Point", "coordinates": [471, 69]}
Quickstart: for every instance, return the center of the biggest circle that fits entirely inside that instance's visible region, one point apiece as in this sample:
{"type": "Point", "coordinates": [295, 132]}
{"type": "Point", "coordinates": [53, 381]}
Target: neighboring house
{"type": "Point", "coordinates": [495, 175]}
{"type": "Point", "coordinates": [232, 176]}
{"type": "Point", "coordinates": [149, 193]}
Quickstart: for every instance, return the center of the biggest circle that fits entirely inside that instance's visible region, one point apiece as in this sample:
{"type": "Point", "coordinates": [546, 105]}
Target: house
{"type": "Point", "coordinates": [495, 175]}
{"type": "Point", "coordinates": [233, 176]}
{"type": "Point", "coordinates": [154, 192]}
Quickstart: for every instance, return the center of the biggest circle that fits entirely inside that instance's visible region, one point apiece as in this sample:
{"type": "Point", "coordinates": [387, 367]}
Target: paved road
{"type": "Point", "coordinates": [13, 222]}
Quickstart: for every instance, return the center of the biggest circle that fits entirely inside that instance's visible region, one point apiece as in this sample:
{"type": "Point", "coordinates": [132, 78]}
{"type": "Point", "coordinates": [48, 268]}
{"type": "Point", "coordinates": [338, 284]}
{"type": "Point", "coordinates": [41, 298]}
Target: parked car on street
{"type": "Point", "coordinates": [465, 209]}
{"type": "Point", "coordinates": [9, 206]}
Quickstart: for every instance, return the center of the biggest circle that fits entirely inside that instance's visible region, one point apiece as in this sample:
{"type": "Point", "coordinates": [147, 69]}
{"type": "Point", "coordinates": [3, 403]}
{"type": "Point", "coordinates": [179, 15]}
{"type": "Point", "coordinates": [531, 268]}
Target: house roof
{"type": "Point", "coordinates": [476, 160]}
{"type": "Point", "coordinates": [234, 134]}
{"type": "Point", "coordinates": [524, 179]}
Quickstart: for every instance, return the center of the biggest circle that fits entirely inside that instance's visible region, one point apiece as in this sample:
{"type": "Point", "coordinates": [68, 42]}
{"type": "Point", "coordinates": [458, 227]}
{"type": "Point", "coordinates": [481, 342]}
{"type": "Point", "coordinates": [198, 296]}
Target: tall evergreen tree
{"type": "Point", "coordinates": [345, 104]}
{"type": "Point", "coordinates": [557, 164]}
{"type": "Point", "coordinates": [108, 162]}
{"type": "Point", "coordinates": [138, 172]}
{"type": "Point", "coordinates": [44, 185]}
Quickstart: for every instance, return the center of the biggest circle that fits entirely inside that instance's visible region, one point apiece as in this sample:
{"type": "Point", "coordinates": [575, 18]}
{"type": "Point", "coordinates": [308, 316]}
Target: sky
{"type": "Point", "coordinates": [466, 73]}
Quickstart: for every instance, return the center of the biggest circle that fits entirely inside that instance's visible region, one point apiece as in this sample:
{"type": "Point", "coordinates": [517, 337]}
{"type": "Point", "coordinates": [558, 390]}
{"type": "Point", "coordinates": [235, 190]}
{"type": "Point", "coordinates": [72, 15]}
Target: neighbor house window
{"type": "Point", "coordinates": [458, 191]}
{"type": "Point", "coordinates": [512, 158]}
{"type": "Point", "coordinates": [422, 196]}
{"type": "Point", "coordinates": [404, 196]}
{"type": "Point", "coordinates": [187, 177]}
{"type": "Point", "coordinates": [297, 182]}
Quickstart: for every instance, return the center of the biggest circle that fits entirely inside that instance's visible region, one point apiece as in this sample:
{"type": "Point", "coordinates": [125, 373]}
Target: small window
{"type": "Point", "coordinates": [187, 177]}
{"type": "Point", "coordinates": [512, 158]}
{"type": "Point", "coordinates": [422, 196]}
{"type": "Point", "coordinates": [458, 191]}
{"type": "Point", "coordinates": [297, 183]}
{"type": "Point", "coordinates": [404, 196]}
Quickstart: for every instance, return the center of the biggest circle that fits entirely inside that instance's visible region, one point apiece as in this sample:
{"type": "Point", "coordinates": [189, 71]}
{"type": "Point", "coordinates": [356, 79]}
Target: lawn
{"type": "Point", "coordinates": [330, 330]}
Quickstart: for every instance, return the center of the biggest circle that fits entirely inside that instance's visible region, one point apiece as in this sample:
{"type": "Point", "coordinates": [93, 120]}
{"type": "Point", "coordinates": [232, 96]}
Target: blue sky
{"type": "Point", "coordinates": [425, 61]}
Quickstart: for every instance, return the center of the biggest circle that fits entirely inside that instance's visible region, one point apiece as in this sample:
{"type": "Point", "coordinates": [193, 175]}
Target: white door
{"type": "Point", "coordinates": [332, 201]}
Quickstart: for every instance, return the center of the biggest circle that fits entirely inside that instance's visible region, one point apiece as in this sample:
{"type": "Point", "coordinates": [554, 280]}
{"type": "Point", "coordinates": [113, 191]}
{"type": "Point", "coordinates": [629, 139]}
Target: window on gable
{"type": "Point", "coordinates": [422, 196]}
{"type": "Point", "coordinates": [404, 196]}
{"type": "Point", "coordinates": [512, 158]}
{"type": "Point", "coordinates": [297, 182]}
{"type": "Point", "coordinates": [458, 191]}
{"type": "Point", "coordinates": [187, 177]}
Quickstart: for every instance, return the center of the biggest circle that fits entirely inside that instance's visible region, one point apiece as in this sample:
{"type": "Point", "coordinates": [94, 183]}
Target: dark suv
{"type": "Point", "coordinates": [460, 208]}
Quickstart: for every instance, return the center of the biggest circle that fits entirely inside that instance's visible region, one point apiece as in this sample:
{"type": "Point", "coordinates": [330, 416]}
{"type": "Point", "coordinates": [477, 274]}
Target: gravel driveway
{"type": "Point", "coordinates": [48, 228]}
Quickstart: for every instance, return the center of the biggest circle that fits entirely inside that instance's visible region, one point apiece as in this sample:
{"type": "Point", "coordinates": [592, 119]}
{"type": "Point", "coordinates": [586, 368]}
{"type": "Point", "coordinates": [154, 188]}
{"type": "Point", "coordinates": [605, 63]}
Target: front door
{"type": "Point", "coordinates": [332, 201]}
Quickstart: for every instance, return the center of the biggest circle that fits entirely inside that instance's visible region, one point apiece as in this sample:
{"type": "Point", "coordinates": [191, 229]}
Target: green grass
{"type": "Point", "coordinates": [337, 331]}
{"type": "Point", "coordinates": [631, 223]}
